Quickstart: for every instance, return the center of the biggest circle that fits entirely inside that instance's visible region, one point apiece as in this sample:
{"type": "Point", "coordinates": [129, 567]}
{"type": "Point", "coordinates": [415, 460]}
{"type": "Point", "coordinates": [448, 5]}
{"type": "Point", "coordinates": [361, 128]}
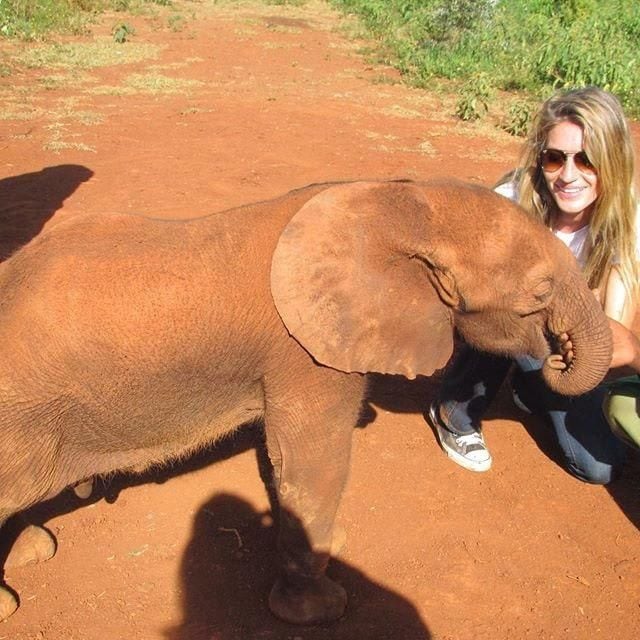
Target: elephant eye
{"type": "Point", "coordinates": [529, 313]}
{"type": "Point", "coordinates": [536, 298]}
{"type": "Point", "coordinates": [543, 290]}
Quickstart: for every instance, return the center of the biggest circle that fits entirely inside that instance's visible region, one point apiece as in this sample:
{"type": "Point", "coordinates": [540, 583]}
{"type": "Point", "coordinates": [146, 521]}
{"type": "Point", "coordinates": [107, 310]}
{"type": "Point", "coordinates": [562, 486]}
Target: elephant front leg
{"type": "Point", "coordinates": [309, 443]}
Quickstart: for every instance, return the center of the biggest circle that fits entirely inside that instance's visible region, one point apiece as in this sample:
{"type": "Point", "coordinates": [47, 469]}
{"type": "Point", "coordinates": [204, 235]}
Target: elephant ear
{"type": "Point", "coordinates": [349, 287]}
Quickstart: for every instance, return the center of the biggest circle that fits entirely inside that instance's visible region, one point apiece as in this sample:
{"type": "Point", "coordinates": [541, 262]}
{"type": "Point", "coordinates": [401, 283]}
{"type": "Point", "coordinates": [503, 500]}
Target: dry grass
{"type": "Point", "coordinates": [101, 52]}
{"type": "Point", "coordinates": [148, 83]}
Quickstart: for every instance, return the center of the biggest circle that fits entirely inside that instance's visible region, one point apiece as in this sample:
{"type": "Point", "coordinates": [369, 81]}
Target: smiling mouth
{"type": "Point", "coordinates": [570, 191]}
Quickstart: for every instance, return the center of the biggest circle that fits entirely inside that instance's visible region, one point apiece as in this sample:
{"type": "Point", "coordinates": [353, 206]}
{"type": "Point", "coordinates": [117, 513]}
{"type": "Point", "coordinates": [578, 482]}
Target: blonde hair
{"type": "Point", "coordinates": [608, 144]}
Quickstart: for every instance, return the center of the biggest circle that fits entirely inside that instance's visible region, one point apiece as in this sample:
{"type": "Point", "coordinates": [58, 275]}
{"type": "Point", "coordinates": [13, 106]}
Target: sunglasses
{"type": "Point", "coordinates": [554, 159]}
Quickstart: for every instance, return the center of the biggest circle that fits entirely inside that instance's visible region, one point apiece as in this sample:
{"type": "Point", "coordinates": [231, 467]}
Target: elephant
{"type": "Point", "coordinates": [129, 341]}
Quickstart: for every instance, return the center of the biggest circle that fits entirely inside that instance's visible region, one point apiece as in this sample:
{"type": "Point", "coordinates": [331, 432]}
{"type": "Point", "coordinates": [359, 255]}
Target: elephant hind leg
{"type": "Point", "coordinates": [33, 545]}
{"type": "Point", "coordinates": [8, 599]}
{"type": "Point", "coordinates": [310, 416]}
{"type": "Point", "coordinates": [22, 544]}
{"type": "Point", "coordinates": [24, 480]}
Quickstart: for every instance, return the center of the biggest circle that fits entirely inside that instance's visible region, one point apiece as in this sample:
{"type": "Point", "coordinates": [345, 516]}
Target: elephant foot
{"type": "Point", "coordinates": [83, 489]}
{"type": "Point", "coordinates": [33, 545]}
{"type": "Point", "coordinates": [8, 603]}
{"type": "Point", "coordinates": [307, 601]}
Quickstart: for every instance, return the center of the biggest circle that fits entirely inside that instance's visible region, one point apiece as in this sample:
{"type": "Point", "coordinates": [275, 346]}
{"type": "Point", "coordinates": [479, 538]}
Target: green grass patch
{"type": "Point", "coordinates": [34, 19]}
{"type": "Point", "coordinates": [30, 19]}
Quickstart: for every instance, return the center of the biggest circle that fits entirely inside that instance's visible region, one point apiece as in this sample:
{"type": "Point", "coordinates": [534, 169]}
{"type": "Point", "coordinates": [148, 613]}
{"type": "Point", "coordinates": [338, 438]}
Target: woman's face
{"type": "Point", "coordinates": [573, 189]}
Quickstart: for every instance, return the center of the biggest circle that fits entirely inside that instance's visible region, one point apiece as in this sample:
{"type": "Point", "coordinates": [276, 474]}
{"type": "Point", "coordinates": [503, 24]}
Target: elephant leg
{"type": "Point", "coordinates": [8, 603]}
{"type": "Point", "coordinates": [309, 422]}
{"type": "Point", "coordinates": [23, 544]}
{"type": "Point", "coordinates": [8, 599]}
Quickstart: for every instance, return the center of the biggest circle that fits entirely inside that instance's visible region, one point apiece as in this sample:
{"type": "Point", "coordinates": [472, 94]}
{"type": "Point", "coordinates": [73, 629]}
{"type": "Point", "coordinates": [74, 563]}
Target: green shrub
{"type": "Point", "coordinates": [475, 98]}
{"type": "Point", "coordinates": [519, 117]}
{"type": "Point", "coordinates": [531, 46]}
{"type": "Point", "coordinates": [121, 32]}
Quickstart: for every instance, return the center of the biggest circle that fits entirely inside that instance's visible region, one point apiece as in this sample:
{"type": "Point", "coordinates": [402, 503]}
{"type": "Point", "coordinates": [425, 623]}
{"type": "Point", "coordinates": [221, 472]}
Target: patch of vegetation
{"type": "Point", "coordinates": [176, 22]}
{"type": "Point", "coordinates": [58, 146]}
{"type": "Point", "coordinates": [531, 47]}
{"type": "Point", "coordinates": [475, 98]}
{"type": "Point", "coordinates": [33, 19]}
{"type": "Point", "coordinates": [85, 55]}
{"type": "Point", "coordinates": [159, 84]}
{"type": "Point", "coordinates": [519, 117]}
{"type": "Point", "coordinates": [67, 78]}
{"type": "Point", "coordinates": [293, 3]}
{"type": "Point", "coordinates": [12, 110]}
{"type": "Point", "coordinates": [121, 32]}
{"type": "Point", "coordinates": [149, 83]}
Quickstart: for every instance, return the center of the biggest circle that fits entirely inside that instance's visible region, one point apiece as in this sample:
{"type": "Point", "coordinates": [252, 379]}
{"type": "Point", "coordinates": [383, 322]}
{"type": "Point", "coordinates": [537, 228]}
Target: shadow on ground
{"type": "Point", "coordinates": [229, 567]}
{"type": "Point", "coordinates": [231, 563]}
{"type": "Point", "coordinates": [27, 201]}
{"type": "Point", "coordinates": [399, 395]}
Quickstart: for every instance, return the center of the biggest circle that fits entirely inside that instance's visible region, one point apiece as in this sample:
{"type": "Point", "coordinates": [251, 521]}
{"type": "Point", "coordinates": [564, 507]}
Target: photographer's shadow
{"type": "Point", "coordinates": [29, 200]}
{"type": "Point", "coordinates": [230, 565]}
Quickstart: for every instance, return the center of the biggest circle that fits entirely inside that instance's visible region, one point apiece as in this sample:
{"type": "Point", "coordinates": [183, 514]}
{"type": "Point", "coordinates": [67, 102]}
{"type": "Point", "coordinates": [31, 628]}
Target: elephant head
{"type": "Point", "coordinates": [374, 276]}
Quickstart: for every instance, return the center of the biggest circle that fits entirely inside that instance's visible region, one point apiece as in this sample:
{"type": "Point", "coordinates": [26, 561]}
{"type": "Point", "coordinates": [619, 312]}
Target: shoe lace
{"type": "Point", "coordinates": [470, 439]}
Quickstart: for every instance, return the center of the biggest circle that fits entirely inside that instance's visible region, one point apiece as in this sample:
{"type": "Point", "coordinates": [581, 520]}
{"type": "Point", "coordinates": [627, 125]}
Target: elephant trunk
{"type": "Point", "coordinates": [588, 330]}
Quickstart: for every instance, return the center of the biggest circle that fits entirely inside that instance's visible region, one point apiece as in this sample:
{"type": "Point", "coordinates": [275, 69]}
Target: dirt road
{"type": "Point", "coordinates": [242, 103]}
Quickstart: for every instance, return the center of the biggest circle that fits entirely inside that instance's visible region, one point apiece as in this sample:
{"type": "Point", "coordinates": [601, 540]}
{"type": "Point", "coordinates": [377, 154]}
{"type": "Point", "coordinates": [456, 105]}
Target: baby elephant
{"type": "Point", "coordinates": [128, 341]}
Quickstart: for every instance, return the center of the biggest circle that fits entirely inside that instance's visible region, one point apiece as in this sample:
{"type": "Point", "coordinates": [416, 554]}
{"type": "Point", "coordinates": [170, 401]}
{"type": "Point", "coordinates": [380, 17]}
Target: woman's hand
{"type": "Point", "coordinates": [626, 347]}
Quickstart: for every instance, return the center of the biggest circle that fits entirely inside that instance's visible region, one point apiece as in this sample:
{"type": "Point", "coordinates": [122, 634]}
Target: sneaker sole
{"type": "Point", "coordinates": [478, 467]}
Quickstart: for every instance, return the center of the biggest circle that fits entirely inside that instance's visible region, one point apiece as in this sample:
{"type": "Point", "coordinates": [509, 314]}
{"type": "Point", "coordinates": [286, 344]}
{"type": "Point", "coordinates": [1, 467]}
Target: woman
{"type": "Point", "coordinates": [577, 176]}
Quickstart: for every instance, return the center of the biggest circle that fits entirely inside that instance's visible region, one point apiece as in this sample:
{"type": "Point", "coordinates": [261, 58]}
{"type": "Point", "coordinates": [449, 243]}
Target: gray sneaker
{"type": "Point", "coordinates": [468, 450]}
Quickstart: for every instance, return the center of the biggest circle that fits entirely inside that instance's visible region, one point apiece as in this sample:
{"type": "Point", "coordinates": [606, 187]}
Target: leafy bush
{"type": "Point", "coordinates": [534, 46]}
{"type": "Point", "coordinates": [121, 32]}
{"type": "Point", "coordinates": [519, 117]}
{"type": "Point", "coordinates": [475, 98]}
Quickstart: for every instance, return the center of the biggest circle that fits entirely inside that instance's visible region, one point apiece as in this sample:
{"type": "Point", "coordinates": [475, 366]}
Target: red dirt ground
{"type": "Point", "coordinates": [432, 551]}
